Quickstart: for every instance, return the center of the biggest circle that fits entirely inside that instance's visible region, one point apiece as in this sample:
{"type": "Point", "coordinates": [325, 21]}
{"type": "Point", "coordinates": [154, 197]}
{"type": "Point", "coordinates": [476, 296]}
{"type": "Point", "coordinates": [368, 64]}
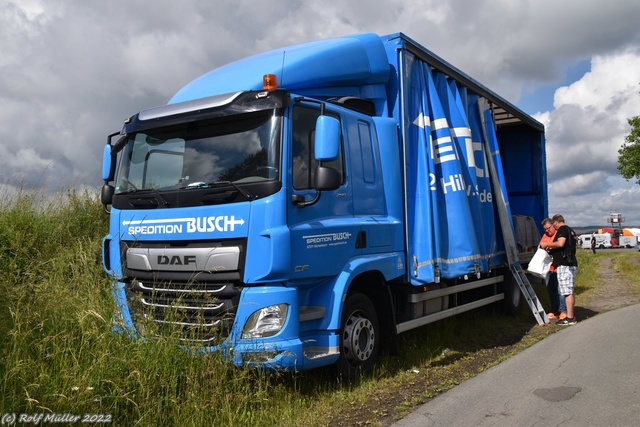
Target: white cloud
{"type": "Point", "coordinates": [622, 80]}
{"type": "Point", "coordinates": [584, 133]}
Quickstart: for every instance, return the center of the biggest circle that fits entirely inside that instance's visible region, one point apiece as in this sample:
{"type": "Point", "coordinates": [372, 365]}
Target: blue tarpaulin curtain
{"type": "Point", "coordinates": [451, 217]}
{"type": "Point", "coordinates": [504, 217]}
{"type": "Point", "coordinates": [492, 247]}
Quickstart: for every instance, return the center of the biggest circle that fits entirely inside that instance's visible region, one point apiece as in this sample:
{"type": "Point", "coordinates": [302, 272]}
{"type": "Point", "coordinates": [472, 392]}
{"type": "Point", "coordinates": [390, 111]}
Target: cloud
{"type": "Point", "coordinates": [74, 70]}
{"type": "Point", "coordinates": [584, 133]}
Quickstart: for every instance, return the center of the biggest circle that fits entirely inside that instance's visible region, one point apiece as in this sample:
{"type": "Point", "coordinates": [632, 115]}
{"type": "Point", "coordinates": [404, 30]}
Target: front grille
{"type": "Point", "coordinates": [191, 288]}
{"type": "Point", "coordinates": [199, 313]}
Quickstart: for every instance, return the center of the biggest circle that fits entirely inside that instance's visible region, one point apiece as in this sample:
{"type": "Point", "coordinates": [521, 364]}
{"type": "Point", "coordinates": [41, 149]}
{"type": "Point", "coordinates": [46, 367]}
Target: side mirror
{"type": "Point", "coordinates": [106, 195]}
{"type": "Point", "coordinates": [327, 178]}
{"type": "Point", "coordinates": [326, 147]}
{"type": "Point", "coordinates": [106, 163]}
{"type": "Point", "coordinates": [327, 138]}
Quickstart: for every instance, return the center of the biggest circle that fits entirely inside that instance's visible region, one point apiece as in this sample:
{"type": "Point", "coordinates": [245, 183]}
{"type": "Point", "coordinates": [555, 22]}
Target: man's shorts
{"type": "Point", "coordinates": [566, 279]}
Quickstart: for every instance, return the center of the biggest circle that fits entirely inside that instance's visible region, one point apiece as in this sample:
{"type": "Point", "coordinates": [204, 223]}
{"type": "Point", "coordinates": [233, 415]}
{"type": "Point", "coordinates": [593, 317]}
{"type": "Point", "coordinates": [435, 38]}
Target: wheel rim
{"type": "Point", "coordinates": [358, 339]}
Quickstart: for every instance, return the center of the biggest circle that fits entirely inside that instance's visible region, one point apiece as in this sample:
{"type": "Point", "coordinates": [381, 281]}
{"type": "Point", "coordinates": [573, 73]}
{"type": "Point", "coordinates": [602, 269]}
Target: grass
{"type": "Point", "coordinates": [59, 354]}
{"type": "Point", "coordinates": [629, 268]}
{"type": "Point", "coordinates": [589, 280]}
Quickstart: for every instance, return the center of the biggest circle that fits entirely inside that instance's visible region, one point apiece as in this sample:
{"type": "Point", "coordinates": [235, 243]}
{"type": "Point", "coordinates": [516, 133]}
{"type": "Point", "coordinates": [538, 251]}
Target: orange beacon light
{"type": "Point", "coordinates": [269, 82]}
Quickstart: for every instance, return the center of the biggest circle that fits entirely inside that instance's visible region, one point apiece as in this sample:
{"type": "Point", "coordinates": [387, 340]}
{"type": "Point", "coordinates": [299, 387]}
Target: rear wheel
{"type": "Point", "coordinates": [359, 337]}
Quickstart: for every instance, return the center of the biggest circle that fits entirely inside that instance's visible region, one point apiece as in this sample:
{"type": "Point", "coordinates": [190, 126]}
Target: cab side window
{"type": "Point", "coordinates": [303, 162]}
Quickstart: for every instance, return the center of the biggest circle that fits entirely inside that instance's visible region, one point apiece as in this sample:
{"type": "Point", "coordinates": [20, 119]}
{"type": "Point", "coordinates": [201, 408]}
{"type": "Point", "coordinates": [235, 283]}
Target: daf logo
{"type": "Point", "coordinates": [176, 260]}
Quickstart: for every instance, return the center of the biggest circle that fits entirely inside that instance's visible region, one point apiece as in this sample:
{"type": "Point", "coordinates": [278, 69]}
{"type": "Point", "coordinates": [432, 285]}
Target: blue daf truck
{"type": "Point", "coordinates": [304, 206]}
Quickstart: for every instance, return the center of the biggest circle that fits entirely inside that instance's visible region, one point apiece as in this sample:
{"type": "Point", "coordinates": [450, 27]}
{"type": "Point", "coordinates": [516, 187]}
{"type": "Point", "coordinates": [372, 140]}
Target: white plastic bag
{"type": "Point", "coordinates": [540, 263]}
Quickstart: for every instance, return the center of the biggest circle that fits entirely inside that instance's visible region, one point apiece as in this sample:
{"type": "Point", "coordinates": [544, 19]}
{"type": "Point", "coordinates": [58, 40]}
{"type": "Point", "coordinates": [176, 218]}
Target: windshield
{"type": "Point", "coordinates": [235, 149]}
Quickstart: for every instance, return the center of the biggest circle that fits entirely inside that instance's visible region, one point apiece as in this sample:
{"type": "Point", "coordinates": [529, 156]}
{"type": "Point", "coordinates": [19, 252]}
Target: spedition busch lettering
{"type": "Point", "coordinates": [205, 224]}
{"type": "Point", "coordinates": [329, 239]}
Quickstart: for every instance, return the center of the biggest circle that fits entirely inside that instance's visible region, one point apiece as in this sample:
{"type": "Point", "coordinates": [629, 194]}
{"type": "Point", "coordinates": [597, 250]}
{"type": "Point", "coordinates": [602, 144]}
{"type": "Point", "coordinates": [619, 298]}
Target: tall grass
{"type": "Point", "coordinates": [59, 354]}
{"type": "Point", "coordinates": [587, 279]}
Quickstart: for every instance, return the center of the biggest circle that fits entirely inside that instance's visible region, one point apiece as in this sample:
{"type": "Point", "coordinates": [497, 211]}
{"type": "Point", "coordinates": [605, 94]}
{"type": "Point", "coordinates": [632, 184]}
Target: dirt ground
{"type": "Point", "coordinates": [398, 398]}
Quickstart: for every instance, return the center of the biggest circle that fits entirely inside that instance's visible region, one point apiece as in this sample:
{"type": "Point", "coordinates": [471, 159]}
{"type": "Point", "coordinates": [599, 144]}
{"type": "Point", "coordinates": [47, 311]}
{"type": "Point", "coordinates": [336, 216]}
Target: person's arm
{"type": "Point", "coordinates": [553, 245]}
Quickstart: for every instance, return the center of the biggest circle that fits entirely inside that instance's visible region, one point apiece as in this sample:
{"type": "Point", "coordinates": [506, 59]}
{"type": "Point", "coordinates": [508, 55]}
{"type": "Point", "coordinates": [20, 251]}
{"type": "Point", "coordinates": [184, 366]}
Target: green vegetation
{"type": "Point", "coordinates": [629, 153]}
{"type": "Point", "coordinates": [590, 283]}
{"type": "Point", "coordinates": [587, 280]}
{"type": "Point", "coordinates": [628, 266]}
{"type": "Point", "coordinates": [60, 355]}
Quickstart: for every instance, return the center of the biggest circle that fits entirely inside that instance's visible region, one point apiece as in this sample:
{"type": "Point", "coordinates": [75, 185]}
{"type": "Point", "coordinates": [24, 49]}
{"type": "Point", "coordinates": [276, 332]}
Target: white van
{"type": "Point", "coordinates": [627, 241]}
{"type": "Point", "coordinates": [602, 240]}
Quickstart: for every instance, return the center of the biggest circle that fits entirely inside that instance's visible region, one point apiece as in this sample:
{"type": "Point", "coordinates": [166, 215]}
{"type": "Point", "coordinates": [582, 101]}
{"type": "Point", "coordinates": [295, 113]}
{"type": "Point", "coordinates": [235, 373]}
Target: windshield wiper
{"type": "Point", "coordinates": [152, 191]}
{"type": "Point", "coordinates": [244, 192]}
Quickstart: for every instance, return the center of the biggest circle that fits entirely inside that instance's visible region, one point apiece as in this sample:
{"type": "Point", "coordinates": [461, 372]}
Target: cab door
{"type": "Point", "coordinates": [324, 235]}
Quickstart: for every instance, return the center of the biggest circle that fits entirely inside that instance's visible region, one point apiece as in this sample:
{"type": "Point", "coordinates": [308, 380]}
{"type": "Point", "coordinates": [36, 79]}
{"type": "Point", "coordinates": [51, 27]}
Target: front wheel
{"type": "Point", "coordinates": [359, 337]}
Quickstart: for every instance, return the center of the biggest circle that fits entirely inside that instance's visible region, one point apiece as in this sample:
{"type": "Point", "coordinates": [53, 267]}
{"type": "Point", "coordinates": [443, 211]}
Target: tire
{"type": "Point", "coordinates": [359, 337]}
{"type": "Point", "coordinates": [513, 296]}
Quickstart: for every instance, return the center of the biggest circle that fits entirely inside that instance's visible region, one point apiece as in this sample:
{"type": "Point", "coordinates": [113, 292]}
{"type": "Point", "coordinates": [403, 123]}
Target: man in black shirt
{"type": "Point", "coordinates": [563, 251]}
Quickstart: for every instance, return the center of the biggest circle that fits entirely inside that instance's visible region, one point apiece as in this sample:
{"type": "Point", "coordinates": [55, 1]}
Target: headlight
{"type": "Point", "coordinates": [266, 322]}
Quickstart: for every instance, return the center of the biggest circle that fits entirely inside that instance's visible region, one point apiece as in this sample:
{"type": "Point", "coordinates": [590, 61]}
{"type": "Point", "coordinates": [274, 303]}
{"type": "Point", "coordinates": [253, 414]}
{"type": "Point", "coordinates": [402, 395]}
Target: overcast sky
{"type": "Point", "coordinates": [73, 70]}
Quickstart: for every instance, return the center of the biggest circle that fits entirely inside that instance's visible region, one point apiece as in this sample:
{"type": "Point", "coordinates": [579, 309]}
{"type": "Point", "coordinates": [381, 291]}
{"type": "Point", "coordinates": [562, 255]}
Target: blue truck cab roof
{"type": "Point", "coordinates": [351, 61]}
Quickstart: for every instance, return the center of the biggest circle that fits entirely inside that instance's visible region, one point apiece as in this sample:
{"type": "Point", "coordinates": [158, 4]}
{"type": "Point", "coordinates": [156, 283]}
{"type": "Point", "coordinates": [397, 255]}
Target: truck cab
{"type": "Point", "coordinates": [216, 199]}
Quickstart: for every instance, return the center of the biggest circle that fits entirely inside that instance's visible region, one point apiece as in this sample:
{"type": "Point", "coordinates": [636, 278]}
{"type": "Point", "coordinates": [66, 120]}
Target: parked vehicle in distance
{"type": "Point", "coordinates": [602, 240]}
{"type": "Point", "coordinates": [627, 241]}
